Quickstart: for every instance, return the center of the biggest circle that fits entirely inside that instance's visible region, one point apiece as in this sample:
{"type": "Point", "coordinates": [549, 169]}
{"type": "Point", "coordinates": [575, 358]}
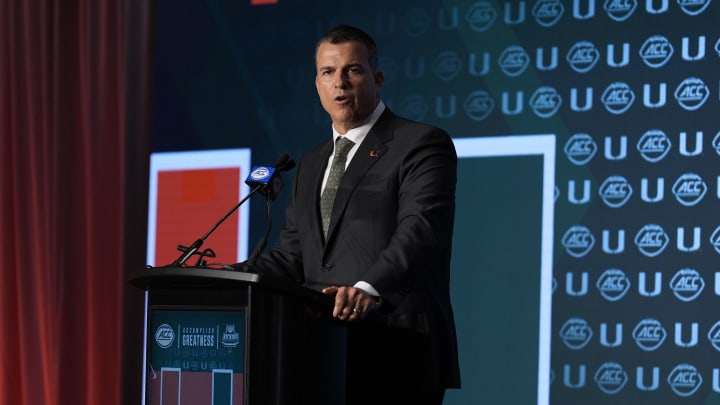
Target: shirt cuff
{"type": "Point", "coordinates": [367, 288]}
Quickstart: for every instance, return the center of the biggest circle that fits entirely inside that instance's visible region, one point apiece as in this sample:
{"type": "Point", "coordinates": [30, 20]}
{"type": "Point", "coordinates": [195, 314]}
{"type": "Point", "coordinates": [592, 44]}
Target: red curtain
{"type": "Point", "coordinates": [62, 190]}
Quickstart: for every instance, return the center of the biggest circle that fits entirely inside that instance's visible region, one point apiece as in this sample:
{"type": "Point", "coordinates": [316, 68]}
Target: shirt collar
{"type": "Point", "coordinates": [357, 134]}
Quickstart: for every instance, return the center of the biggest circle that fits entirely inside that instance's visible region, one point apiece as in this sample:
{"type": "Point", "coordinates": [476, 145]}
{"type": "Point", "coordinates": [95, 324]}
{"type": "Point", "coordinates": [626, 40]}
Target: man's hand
{"type": "Point", "coordinates": [351, 304]}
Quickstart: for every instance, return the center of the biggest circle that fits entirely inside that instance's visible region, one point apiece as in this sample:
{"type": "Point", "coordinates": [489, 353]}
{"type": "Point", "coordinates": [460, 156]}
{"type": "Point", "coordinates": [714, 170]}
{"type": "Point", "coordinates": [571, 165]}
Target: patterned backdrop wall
{"type": "Point", "coordinates": [630, 89]}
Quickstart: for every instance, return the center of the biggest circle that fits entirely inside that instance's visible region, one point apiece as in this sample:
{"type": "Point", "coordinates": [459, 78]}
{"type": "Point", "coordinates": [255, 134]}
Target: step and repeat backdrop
{"type": "Point", "coordinates": [630, 90]}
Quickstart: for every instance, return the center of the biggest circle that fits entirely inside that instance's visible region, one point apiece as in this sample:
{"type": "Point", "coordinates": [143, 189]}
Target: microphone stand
{"type": "Point", "coordinates": [192, 249]}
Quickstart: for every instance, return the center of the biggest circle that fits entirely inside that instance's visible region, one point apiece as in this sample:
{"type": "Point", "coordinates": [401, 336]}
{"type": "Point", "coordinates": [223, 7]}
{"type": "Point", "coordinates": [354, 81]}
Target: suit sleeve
{"type": "Point", "coordinates": [419, 248]}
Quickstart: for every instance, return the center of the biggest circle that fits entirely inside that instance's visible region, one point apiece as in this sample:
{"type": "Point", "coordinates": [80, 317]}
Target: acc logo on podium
{"type": "Point", "coordinates": [164, 336]}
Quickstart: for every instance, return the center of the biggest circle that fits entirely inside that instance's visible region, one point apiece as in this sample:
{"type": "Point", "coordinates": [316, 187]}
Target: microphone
{"type": "Point", "coordinates": [263, 179]}
{"type": "Point", "coordinates": [268, 179]}
{"type": "Point", "coordinates": [270, 183]}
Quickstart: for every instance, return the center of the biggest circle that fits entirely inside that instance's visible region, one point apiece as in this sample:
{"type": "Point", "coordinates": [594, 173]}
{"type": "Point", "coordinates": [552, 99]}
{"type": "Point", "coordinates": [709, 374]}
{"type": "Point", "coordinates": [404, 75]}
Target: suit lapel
{"type": "Point", "coordinates": [370, 151]}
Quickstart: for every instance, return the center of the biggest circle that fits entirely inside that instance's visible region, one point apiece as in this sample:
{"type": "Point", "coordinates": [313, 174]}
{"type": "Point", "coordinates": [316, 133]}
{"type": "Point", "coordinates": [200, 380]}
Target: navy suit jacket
{"type": "Point", "coordinates": [391, 226]}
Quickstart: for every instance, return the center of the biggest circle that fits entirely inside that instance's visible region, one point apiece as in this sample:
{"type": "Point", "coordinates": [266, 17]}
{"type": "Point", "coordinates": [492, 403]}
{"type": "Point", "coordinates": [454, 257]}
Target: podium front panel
{"type": "Point", "coordinates": [196, 356]}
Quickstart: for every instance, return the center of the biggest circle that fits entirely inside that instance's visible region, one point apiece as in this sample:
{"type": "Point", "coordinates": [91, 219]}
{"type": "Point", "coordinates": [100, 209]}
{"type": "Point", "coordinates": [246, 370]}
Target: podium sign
{"type": "Point", "coordinates": [222, 337]}
{"type": "Point", "coordinates": [196, 356]}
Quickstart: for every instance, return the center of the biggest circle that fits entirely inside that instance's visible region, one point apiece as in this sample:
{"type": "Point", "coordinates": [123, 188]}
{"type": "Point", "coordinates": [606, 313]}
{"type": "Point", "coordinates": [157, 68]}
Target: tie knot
{"type": "Point", "coordinates": [342, 147]}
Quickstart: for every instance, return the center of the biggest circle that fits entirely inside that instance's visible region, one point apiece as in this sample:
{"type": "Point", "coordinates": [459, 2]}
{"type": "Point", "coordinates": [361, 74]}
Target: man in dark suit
{"type": "Point", "coordinates": [374, 229]}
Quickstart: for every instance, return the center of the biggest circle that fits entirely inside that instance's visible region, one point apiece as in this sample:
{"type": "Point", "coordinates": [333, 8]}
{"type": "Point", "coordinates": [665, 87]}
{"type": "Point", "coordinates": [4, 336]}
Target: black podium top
{"type": "Point", "coordinates": [207, 278]}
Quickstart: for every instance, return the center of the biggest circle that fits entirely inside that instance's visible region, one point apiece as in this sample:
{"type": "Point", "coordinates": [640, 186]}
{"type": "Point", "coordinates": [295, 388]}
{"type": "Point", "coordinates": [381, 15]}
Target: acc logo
{"type": "Point", "coordinates": [692, 93]}
{"type": "Point", "coordinates": [684, 380]}
{"type": "Point", "coordinates": [580, 148]}
{"type": "Point", "coordinates": [416, 22]}
{"type": "Point", "coordinates": [261, 173]}
{"type": "Point", "coordinates": [617, 98]}
{"type": "Point", "coordinates": [714, 335]}
{"type": "Point", "coordinates": [578, 241]}
{"type": "Point", "coordinates": [230, 338]}
{"type": "Point", "coordinates": [654, 145]}
{"type": "Point", "coordinates": [649, 334]}
{"type": "Point", "coordinates": [651, 240]}
{"type": "Point", "coordinates": [545, 102]}
{"type": "Point", "coordinates": [689, 189]}
{"type": "Point", "coordinates": [414, 106]}
{"type": "Point", "coordinates": [447, 65]}
{"type": "Point", "coordinates": [611, 378]}
{"type": "Point", "coordinates": [656, 51]}
{"type": "Point", "coordinates": [715, 239]}
{"type": "Point", "coordinates": [620, 10]}
{"type": "Point", "coordinates": [687, 284]}
{"type": "Point", "coordinates": [576, 333]}
{"type": "Point", "coordinates": [548, 12]}
{"type": "Point", "coordinates": [583, 56]}
{"type": "Point", "coordinates": [513, 61]}
{"type": "Point", "coordinates": [717, 47]}
{"type": "Point", "coordinates": [613, 284]}
{"type": "Point", "coordinates": [478, 105]}
{"type": "Point", "coordinates": [481, 16]}
{"type": "Point", "coordinates": [693, 7]}
{"type": "Point", "coordinates": [716, 143]}
{"type": "Point", "coordinates": [615, 191]}
{"type": "Point", "coordinates": [164, 336]}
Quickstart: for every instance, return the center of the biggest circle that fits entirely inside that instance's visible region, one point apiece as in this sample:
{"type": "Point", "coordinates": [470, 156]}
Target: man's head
{"type": "Point", "coordinates": [347, 78]}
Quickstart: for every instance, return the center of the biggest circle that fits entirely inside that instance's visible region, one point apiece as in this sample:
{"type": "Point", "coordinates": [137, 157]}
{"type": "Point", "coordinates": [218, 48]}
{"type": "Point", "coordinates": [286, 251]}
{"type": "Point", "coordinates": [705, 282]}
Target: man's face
{"type": "Point", "coordinates": [349, 89]}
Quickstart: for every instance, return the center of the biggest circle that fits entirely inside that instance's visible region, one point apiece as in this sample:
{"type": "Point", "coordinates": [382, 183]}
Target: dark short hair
{"type": "Point", "coordinates": [346, 33]}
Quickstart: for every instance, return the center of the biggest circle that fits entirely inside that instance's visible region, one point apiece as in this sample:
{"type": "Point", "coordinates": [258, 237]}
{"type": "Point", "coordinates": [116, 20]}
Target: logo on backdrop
{"type": "Point", "coordinates": [651, 240]}
{"type": "Point", "coordinates": [447, 65]}
{"type": "Point", "coordinates": [578, 241]}
{"type": "Point", "coordinates": [693, 7]}
{"type": "Point", "coordinates": [513, 61]}
{"type": "Point", "coordinates": [687, 284]}
{"type": "Point", "coordinates": [689, 189]}
{"type": "Point", "coordinates": [656, 51]}
{"type": "Point", "coordinates": [576, 333]}
{"type": "Point", "coordinates": [611, 378]}
{"type": "Point", "coordinates": [613, 284]}
{"type": "Point", "coordinates": [692, 93]}
{"type": "Point", "coordinates": [580, 149]}
{"type": "Point", "coordinates": [715, 239]}
{"type": "Point", "coordinates": [617, 98]}
{"type": "Point", "coordinates": [615, 191]}
{"type": "Point", "coordinates": [481, 16]}
{"type": "Point", "coordinates": [583, 56]}
{"type": "Point", "coordinates": [684, 380]}
{"type": "Point", "coordinates": [654, 145]}
{"type": "Point", "coordinates": [548, 12]}
{"type": "Point", "coordinates": [478, 105]}
{"type": "Point", "coordinates": [714, 336]}
{"type": "Point", "coordinates": [545, 102]}
{"type": "Point", "coordinates": [649, 334]}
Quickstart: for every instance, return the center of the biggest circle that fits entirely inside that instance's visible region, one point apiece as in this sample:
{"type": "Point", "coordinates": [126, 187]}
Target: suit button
{"type": "Point", "coordinates": [327, 267]}
{"type": "Point", "coordinates": [404, 291]}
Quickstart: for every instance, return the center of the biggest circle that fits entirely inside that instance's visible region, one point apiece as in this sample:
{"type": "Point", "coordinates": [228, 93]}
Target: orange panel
{"type": "Point", "coordinates": [189, 203]}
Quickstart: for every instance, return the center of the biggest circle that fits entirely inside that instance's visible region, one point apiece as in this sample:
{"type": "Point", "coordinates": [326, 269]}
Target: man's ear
{"type": "Point", "coordinates": [379, 78]}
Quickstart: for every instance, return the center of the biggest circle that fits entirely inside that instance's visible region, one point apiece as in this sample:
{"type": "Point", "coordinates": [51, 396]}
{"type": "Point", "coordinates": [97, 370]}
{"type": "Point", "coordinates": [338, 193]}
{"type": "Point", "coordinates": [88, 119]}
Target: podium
{"type": "Point", "coordinates": [226, 337]}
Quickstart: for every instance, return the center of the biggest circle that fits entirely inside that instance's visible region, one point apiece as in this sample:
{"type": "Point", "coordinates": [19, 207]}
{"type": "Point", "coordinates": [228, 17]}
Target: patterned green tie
{"type": "Point", "coordinates": [342, 147]}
